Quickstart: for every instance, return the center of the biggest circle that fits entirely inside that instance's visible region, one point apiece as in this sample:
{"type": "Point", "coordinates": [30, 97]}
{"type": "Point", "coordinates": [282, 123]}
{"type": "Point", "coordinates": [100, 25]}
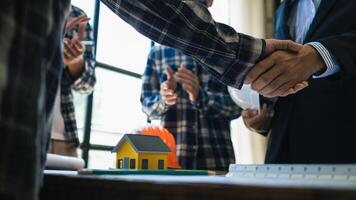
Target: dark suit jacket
{"type": "Point", "coordinates": [318, 124]}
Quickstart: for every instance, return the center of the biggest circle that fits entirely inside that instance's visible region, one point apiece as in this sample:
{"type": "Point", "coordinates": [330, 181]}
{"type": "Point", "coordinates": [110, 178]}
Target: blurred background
{"type": "Point", "coordinates": [121, 52]}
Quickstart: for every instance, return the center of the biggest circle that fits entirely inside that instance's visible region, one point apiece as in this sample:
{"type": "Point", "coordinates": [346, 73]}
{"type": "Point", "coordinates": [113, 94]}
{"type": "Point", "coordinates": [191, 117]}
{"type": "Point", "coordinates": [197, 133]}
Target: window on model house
{"type": "Point", "coordinates": [120, 164]}
{"type": "Point", "coordinates": [160, 164]}
{"type": "Point", "coordinates": [144, 163]}
{"type": "Point", "coordinates": [132, 163]}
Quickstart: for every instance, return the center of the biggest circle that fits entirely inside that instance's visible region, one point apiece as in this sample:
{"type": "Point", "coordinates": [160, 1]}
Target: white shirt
{"type": "Point", "coordinates": [58, 127]}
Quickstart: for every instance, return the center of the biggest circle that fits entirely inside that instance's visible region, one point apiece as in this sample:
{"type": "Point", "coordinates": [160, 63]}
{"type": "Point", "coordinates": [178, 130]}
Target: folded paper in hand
{"type": "Point", "coordinates": [246, 98]}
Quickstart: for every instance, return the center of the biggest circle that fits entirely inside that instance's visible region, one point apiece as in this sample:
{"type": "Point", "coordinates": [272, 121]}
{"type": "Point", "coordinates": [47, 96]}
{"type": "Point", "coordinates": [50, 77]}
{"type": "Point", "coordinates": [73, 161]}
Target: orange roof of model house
{"type": "Point", "coordinates": [168, 139]}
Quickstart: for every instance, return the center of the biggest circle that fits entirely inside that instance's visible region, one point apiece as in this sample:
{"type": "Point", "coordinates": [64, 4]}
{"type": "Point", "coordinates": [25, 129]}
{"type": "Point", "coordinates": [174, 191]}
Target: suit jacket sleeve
{"type": "Point", "coordinates": [343, 47]}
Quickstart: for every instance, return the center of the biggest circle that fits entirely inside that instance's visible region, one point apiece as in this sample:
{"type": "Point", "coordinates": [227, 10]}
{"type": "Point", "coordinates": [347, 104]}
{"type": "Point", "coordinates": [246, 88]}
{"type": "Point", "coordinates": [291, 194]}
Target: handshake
{"type": "Point", "coordinates": [285, 68]}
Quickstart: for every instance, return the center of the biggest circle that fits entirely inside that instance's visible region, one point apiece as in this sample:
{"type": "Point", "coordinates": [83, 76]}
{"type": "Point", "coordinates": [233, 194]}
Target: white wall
{"type": "Point", "coordinates": [246, 16]}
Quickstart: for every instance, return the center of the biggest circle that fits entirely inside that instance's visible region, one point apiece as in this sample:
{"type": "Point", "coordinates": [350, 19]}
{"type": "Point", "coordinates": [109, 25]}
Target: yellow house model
{"type": "Point", "coordinates": [141, 152]}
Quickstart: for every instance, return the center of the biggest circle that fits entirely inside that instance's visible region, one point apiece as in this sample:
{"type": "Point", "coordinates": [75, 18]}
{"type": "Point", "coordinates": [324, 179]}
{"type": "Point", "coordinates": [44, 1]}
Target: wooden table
{"type": "Point", "coordinates": [74, 187]}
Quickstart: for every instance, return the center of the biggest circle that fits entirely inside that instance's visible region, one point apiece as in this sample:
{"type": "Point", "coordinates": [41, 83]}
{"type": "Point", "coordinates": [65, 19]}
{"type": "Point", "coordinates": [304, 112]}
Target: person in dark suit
{"type": "Point", "coordinates": [315, 125]}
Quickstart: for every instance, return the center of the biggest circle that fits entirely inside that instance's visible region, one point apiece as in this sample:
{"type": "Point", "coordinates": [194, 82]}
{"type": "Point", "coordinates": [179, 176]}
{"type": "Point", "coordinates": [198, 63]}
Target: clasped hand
{"type": "Point", "coordinates": [285, 70]}
{"type": "Point", "coordinates": [188, 80]}
{"type": "Point", "coordinates": [73, 50]}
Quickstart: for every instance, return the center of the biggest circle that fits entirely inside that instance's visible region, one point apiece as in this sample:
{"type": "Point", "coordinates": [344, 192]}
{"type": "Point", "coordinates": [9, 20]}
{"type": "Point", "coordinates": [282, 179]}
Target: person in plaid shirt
{"type": "Point", "coordinates": [79, 75]}
{"type": "Point", "coordinates": [195, 107]}
{"type": "Point", "coordinates": [31, 57]}
{"type": "Point", "coordinates": [192, 105]}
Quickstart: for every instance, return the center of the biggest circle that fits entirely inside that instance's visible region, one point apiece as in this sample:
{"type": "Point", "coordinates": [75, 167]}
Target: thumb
{"type": "Point", "coordinates": [81, 31]}
{"type": "Point", "coordinates": [171, 81]}
{"type": "Point", "coordinates": [169, 73]}
{"type": "Point", "coordinates": [289, 45]}
{"type": "Point", "coordinates": [273, 45]}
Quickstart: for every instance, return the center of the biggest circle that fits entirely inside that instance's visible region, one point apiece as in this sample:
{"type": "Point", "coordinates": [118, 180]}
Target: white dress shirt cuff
{"type": "Point", "coordinates": [332, 66]}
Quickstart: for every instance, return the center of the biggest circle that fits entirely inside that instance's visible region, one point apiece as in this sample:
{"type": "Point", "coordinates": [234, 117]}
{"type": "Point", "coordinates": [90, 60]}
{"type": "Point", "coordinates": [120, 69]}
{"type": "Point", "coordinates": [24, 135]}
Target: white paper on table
{"type": "Point", "coordinates": [246, 98]}
{"type": "Point", "coordinates": [55, 161]}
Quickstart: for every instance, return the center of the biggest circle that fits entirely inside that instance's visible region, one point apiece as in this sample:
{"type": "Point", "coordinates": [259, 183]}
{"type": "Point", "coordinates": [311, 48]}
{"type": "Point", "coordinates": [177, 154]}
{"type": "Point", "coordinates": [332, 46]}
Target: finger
{"type": "Point", "coordinates": [301, 86]}
{"type": "Point", "coordinates": [264, 110]}
{"type": "Point", "coordinates": [188, 88]}
{"type": "Point", "coordinates": [170, 100]}
{"type": "Point", "coordinates": [171, 97]}
{"type": "Point", "coordinates": [71, 51]}
{"type": "Point", "coordinates": [192, 83]}
{"type": "Point", "coordinates": [288, 45]}
{"type": "Point", "coordinates": [183, 71]}
{"type": "Point", "coordinates": [285, 89]}
{"type": "Point", "coordinates": [171, 103]}
{"type": "Point", "coordinates": [169, 84]}
{"type": "Point", "coordinates": [187, 75]}
{"type": "Point", "coordinates": [167, 92]}
{"type": "Point", "coordinates": [185, 81]}
{"type": "Point", "coordinates": [68, 55]}
{"type": "Point", "coordinates": [81, 31]}
{"type": "Point", "coordinates": [168, 96]}
{"type": "Point", "coordinates": [288, 92]}
{"type": "Point", "coordinates": [68, 45]}
{"type": "Point", "coordinates": [266, 82]}
{"type": "Point", "coordinates": [65, 47]}
{"type": "Point", "coordinates": [77, 20]}
{"type": "Point", "coordinates": [259, 69]}
{"type": "Point", "coordinates": [276, 88]}
{"type": "Point", "coordinates": [68, 49]}
{"type": "Point", "coordinates": [169, 72]}
{"type": "Point", "coordinates": [259, 119]}
{"type": "Point", "coordinates": [259, 116]}
{"type": "Point", "coordinates": [76, 51]}
{"type": "Point", "coordinates": [250, 122]}
{"type": "Point", "coordinates": [77, 48]}
{"type": "Point", "coordinates": [66, 40]}
{"type": "Point", "coordinates": [164, 86]}
{"type": "Point", "coordinates": [298, 87]}
{"type": "Point", "coordinates": [78, 44]}
{"type": "Point", "coordinates": [249, 113]}
{"type": "Point", "coordinates": [295, 86]}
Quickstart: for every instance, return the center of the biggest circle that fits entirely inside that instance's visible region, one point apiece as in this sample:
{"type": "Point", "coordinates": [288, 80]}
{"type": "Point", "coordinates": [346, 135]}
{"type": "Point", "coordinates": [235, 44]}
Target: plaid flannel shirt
{"type": "Point", "coordinates": [189, 27]}
{"type": "Point", "coordinates": [31, 55]}
{"type": "Point", "coordinates": [202, 129]}
{"type": "Point", "coordinates": [84, 84]}
{"type": "Point", "coordinates": [31, 44]}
